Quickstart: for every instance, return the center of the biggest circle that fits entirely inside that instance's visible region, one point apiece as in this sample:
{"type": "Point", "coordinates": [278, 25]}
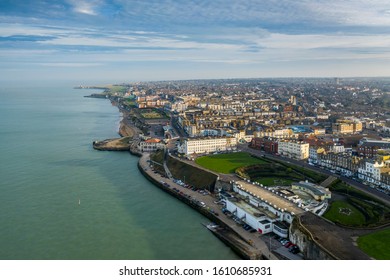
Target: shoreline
{"type": "Point", "coordinates": [243, 247]}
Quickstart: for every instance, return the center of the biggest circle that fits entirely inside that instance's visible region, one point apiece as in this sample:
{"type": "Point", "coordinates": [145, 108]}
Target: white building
{"type": "Point", "coordinates": [314, 153]}
{"type": "Point", "coordinates": [337, 148]}
{"type": "Point", "coordinates": [250, 215]}
{"type": "Point", "coordinates": [258, 213]}
{"type": "Point", "coordinates": [293, 149]}
{"type": "Point", "coordinates": [151, 145]}
{"type": "Point", "coordinates": [208, 145]}
{"type": "Point", "coordinates": [371, 172]}
{"type": "Point", "coordinates": [277, 133]}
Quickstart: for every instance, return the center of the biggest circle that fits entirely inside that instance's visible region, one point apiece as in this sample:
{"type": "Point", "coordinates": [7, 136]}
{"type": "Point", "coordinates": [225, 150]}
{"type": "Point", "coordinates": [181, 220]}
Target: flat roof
{"type": "Point", "coordinates": [271, 198]}
{"type": "Point", "coordinates": [280, 225]}
{"type": "Point", "coordinates": [310, 187]}
{"type": "Point", "coordinates": [264, 222]}
{"type": "Point", "coordinates": [317, 190]}
{"type": "Point", "coordinates": [256, 212]}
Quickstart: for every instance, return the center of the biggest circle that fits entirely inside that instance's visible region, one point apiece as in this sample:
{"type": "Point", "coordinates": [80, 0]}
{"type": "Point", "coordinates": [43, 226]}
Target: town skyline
{"type": "Point", "coordinates": [167, 40]}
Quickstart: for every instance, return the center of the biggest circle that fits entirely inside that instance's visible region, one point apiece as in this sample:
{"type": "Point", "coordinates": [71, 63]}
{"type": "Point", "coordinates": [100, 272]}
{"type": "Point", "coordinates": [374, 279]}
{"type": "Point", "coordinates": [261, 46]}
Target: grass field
{"type": "Point", "coordinates": [151, 114]}
{"type": "Point", "coordinates": [344, 213]}
{"type": "Point", "coordinates": [376, 244]}
{"type": "Point", "coordinates": [272, 181]}
{"type": "Point", "coordinates": [227, 163]}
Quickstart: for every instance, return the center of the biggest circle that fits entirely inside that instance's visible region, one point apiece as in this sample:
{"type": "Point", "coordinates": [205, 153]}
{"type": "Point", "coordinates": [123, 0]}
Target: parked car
{"type": "Point", "coordinates": [294, 249]}
{"type": "Point", "coordinates": [290, 245]}
{"type": "Point", "coordinates": [283, 241]}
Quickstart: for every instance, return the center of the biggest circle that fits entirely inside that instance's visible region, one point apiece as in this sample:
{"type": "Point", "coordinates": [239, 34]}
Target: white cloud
{"type": "Point", "coordinates": [69, 64]}
{"type": "Point", "coordinates": [85, 6]}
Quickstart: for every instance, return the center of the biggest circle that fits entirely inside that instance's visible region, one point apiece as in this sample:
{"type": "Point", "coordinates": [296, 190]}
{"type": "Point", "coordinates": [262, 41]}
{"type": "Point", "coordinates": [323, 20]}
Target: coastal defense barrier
{"type": "Point", "coordinates": [226, 235]}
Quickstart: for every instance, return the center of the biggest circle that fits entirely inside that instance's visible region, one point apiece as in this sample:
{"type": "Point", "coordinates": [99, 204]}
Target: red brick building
{"type": "Point", "coordinates": [267, 144]}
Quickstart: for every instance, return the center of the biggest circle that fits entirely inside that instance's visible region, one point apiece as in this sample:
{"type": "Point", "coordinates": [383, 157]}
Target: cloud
{"type": "Point", "coordinates": [243, 33]}
{"type": "Point", "coordinates": [85, 7]}
{"type": "Point", "coordinates": [69, 64]}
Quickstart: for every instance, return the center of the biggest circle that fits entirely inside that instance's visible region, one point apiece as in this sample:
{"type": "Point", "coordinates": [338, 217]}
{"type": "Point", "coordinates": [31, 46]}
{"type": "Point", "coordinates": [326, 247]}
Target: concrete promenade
{"type": "Point", "coordinates": [254, 243]}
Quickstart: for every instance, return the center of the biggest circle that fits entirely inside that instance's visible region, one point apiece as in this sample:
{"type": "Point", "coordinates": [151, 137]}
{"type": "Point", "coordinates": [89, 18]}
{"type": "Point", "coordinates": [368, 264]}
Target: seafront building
{"type": "Point", "coordinates": [151, 145]}
{"type": "Point", "coordinates": [319, 193]}
{"type": "Point", "coordinates": [206, 145]}
{"type": "Point", "coordinates": [273, 210]}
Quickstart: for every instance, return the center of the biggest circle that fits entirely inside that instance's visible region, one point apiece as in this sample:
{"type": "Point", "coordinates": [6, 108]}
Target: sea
{"type": "Point", "coordinates": [62, 200]}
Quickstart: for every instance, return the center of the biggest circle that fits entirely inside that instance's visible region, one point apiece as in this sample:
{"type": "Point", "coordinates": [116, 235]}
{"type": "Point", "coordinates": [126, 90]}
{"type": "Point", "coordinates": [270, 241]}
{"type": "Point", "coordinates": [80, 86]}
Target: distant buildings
{"type": "Point", "coordinates": [347, 126]}
{"type": "Point", "coordinates": [277, 133]}
{"type": "Point", "coordinates": [369, 147]}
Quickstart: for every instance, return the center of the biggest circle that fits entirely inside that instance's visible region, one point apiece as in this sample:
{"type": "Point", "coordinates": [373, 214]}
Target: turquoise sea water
{"type": "Point", "coordinates": [47, 165]}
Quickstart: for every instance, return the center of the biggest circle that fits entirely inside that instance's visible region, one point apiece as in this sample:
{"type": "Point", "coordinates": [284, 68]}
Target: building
{"type": "Point", "coordinates": [337, 148]}
{"type": "Point", "coordinates": [250, 215]}
{"type": "Point", "coordinates": [293, 149]}
{"type": "Point", "coordinates": [151, 145]}
{"type": "Point", "coordinates": [314, 153]}
{"type": "Point", "coordinates": [347, 127]}
{"type": "Point", "coordinates": [277, 133]}
{"type": "Point", "coordinates": [261, 214]}
{"type": "Point", "coordinates": [371, 171]}
{"type": "Point", "coordinates": [267, 144]}
{"type": "Point", "coordinates": [317, 192]}
{"type": "Point", "coordinates": [369, 147]}
{"type": "Point", "coordinates": [342, 163]}
{"type": "Point", "coordinates": [208, 145]}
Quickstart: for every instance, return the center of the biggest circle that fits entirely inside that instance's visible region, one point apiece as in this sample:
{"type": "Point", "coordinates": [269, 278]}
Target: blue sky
{"type": "Point", "coordinates": [119, 41]}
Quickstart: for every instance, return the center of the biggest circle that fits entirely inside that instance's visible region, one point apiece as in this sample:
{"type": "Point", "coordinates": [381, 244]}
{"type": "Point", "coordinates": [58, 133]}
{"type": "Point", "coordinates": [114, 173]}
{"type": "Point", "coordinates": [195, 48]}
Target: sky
{"type": "Point", "coordinates": [126, 40]}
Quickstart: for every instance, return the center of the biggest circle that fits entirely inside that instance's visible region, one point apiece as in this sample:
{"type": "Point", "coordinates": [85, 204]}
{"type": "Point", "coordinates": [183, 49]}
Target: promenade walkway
{"type": "Point", "coordinates": [257, 245]}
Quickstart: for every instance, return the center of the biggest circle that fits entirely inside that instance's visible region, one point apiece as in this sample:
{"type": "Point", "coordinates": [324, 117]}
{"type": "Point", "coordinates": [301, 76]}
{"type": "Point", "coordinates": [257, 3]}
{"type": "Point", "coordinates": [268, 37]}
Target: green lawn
{"type": "Point", "coordinates": [344, 213]}
{"type": "Point", "coordinates": [272, 181]}
{"type": "Point", "coordinates": [376, 244]}
{"type": "Point", "coordinates": [227, 163]}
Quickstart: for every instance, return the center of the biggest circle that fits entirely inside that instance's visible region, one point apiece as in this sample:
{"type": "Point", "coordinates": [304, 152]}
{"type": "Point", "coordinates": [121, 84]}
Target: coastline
{"type": "Point", "coordinates": [248, 247]}
{"type": "Point", "coordinates": [243, 247]}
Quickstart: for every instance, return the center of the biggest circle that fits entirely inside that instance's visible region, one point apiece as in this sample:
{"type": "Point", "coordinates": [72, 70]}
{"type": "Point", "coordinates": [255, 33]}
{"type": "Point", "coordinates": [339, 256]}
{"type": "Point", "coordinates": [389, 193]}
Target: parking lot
{"type": "Point", "coordinates": [277, 247]}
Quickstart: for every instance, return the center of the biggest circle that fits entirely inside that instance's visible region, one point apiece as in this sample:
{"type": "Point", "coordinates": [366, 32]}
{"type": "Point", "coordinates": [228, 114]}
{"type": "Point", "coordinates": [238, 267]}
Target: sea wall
{"type": "Point", "coordinates": [228, 236]}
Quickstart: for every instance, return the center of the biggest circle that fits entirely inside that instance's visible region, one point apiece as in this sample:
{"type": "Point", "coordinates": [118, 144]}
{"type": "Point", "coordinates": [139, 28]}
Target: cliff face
{"type": "Point", "coordinates": [310, 250]}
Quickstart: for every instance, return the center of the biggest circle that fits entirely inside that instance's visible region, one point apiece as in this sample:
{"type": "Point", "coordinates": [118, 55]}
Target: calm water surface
{"type": "Point", "coordinates": [47, 165]}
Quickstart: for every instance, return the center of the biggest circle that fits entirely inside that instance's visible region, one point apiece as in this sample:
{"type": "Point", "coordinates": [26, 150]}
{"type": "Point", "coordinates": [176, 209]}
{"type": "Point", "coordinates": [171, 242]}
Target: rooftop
{"type": "Point", "coordinates": [254, 211]}
{"type": "Point", "coordinates": [271, 198]}
{"type": "Point", "coordinates": [317, 190]}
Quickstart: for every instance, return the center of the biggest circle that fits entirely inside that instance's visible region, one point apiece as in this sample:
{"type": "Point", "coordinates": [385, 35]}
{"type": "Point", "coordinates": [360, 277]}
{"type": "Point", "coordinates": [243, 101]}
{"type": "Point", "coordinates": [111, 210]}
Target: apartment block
{"type": "Point", "coordinates": [293, 149]}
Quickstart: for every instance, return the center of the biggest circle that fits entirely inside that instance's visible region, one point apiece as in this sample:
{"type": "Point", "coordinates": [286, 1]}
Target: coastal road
{"type": "Point", "coordinates": [257, 243]}
{"type": "Point", "coordinates": [368, 190]}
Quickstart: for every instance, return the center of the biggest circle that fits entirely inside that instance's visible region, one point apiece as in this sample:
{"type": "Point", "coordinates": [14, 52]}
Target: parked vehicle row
{"type": "Point", "coordinates": [288, 244]}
